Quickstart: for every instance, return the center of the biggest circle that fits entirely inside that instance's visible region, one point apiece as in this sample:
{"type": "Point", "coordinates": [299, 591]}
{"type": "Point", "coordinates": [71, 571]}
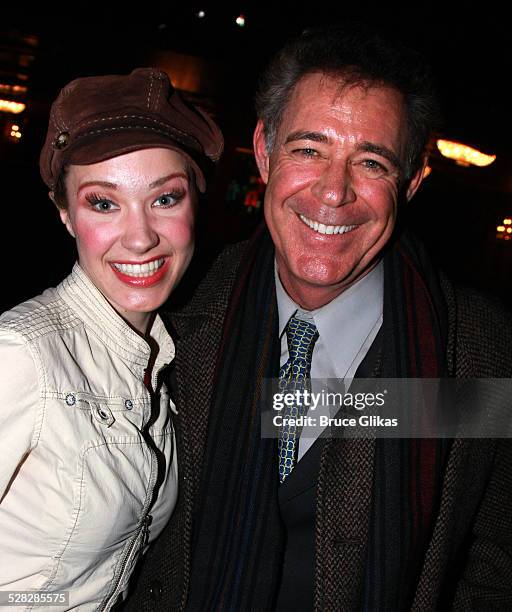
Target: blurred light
{"type": "Point", "coordinates": [504, 231]}
{"type": "Point", "coordinates": [13, 132]}
{"type": "Point", "coordinates": [463, 154]}
{"type": "Point", "coordinates": [31, 40]}
{"type": "Point", "coordinates": [11, 107]}
{"type": "Point", "coordinates": [240, 20]}
{"type": "Point", "coordinates": [201, 14]}
{"type": "Point", "coordinates": [8, 89]}
{"type": "Point", "coordinates": [25, 60]}
{"type": "Point", "coordinates": [427, 171]}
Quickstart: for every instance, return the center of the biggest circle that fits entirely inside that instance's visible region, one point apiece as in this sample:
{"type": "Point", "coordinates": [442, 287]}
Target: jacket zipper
{"type": "Point", "coordinates": [141, 532]}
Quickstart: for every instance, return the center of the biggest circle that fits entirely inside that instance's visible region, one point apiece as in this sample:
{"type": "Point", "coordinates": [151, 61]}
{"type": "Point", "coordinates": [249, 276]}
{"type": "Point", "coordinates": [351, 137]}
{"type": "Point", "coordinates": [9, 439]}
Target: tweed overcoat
{"type": "Point", "coordinates": [473, 527]}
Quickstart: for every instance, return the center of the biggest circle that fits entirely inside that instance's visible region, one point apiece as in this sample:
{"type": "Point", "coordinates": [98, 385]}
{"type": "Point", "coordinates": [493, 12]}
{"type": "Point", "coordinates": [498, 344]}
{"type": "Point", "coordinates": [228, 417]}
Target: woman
{"type": "Point", "coordinates": [88, 476]}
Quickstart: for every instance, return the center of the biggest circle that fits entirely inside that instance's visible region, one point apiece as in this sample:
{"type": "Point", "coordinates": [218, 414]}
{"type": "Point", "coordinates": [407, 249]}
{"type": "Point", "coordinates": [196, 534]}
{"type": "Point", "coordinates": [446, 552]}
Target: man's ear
{"type": "Point", "coordinates": [416, 180]}
{"type": "Point", "coordinates": [65, 218]}
{"type": "Point", "coordinates": [260, 151]}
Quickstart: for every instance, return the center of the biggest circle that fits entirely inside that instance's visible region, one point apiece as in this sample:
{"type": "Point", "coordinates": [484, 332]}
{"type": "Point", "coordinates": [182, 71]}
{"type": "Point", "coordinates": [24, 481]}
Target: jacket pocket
{"type": "Point", "coordinates": [111, 478]}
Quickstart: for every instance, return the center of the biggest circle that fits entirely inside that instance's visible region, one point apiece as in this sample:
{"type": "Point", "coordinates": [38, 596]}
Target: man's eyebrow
{"type": "Point", "coordinates": [370, 147]}
{"type": "Point", "coordinates": [303, 135]}
{"type": "Point", "coordinates": [365, 146]}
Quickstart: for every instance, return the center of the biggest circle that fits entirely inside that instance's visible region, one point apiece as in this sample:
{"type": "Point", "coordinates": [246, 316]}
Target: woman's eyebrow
{"type": "Point", "coordinates": [166, 178]}
{"type": "Point", "coordinates": [105, 184]}
{"type": "Point", "coordinates": [157, 183]}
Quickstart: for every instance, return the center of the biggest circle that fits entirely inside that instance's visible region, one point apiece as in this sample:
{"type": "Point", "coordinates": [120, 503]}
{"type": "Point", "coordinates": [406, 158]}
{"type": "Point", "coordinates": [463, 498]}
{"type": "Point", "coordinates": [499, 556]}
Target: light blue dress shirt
{"type": "Point", "coordinates": [347, 327]}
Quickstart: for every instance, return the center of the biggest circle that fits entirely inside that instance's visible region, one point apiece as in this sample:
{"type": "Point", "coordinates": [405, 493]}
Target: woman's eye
{"type": "Point", "coordinates": [169, 199]}
{"type": "Point", "coordinates": [101, 204]}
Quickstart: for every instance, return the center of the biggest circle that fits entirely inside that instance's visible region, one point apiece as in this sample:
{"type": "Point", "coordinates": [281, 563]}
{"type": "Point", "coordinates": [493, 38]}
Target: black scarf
{"type": "Point", "coordinates": [408, 472]}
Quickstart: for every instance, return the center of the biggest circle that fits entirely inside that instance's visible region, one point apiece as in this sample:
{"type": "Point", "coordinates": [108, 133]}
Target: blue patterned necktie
{"type": "Point", "coordinates": [294, 375]}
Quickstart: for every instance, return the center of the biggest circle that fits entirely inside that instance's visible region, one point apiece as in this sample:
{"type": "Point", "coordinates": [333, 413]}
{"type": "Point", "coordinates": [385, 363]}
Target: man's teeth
{"type": "Point", "coordinates": [327, 229]}
{"type": "Point", "coordinates": [140, 270]}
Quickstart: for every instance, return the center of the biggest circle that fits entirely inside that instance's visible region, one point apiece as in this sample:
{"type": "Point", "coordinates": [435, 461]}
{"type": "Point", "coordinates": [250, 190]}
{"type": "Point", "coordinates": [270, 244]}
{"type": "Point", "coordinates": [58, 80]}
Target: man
{"type": "Point", "coordinates": [333, 289]}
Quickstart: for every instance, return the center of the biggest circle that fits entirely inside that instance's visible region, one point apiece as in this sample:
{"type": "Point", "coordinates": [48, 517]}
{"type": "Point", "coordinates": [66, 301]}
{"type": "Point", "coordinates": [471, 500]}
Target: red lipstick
{"type": "Point", "coordinates": [143, 281]}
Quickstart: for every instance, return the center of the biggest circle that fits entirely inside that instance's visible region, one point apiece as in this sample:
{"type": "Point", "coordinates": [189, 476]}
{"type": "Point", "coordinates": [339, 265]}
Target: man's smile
{"type": "Point", "coordinates": [321, 228]}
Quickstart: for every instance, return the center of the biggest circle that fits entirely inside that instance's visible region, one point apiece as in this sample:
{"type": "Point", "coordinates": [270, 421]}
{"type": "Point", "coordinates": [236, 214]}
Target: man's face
{"type": "Point", "coordinates": [332, 179]}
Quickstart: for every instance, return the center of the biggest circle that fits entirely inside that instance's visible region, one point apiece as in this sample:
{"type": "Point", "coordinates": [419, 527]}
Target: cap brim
{"type": "Point", "coordinates": [105, 146]}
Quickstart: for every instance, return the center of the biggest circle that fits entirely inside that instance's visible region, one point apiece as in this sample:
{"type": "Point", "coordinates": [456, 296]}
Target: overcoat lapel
{"type": "Point", "coordinates": [191, 388]}
{"type": "Point", "coordinates": [194, 380]}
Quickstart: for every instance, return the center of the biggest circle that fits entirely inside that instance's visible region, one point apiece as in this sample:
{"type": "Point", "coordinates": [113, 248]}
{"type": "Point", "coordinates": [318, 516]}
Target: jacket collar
{"type": "Point", "coordinates": [89, 304]}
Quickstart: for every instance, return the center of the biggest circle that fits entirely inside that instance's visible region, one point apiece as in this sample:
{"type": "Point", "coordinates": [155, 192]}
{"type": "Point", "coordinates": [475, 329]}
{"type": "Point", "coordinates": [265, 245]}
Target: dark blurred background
{"type": "Point", "coordinates": [214, 52]}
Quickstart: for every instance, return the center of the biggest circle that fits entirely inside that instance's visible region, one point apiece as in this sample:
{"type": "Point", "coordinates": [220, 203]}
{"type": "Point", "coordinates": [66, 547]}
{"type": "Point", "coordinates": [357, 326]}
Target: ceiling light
{"type": "Point", "coordinates": [463, 154]}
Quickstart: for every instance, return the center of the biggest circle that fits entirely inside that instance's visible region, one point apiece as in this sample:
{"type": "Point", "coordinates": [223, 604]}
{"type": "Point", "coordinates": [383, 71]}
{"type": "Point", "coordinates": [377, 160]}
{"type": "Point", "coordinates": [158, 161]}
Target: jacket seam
{"type": "Point", "coordinates": [39, 413]}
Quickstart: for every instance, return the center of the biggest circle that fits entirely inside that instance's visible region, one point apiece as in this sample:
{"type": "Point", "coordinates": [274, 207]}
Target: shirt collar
{"type": "Point", "coordinates": [286, 307]}
{"type": "Point", "coordinates": [85, 299]}
{"type": "Point", "coordinates": [344, 323]}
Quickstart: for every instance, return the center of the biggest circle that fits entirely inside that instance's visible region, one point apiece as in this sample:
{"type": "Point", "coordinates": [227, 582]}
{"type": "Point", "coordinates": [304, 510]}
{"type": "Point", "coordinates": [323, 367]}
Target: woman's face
{"type": "Point", "coordinates": [133, 220]}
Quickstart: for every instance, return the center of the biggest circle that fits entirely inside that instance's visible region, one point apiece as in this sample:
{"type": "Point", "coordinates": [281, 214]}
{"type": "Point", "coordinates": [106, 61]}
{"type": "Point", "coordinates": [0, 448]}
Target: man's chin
{"type": "Point", "coordinates": [311, 292]}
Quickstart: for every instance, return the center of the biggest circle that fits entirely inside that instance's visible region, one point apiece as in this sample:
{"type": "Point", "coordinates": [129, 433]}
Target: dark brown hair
{"type": "Point", "coordinates": [357, 55]}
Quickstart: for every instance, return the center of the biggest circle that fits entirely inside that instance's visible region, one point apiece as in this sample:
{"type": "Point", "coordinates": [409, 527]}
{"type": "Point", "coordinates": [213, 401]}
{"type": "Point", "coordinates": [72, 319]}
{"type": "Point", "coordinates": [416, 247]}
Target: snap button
{"type": "Point", "coordinates": [128, 404]}
{"type": "Point", "coordinates": [70, 399]}
{"type": "Point", "coordinates": [155, 590]}
{"type": "Point", "coordinates": [62, 140]}
{"type": "Point", "coordinates": [103, 414]}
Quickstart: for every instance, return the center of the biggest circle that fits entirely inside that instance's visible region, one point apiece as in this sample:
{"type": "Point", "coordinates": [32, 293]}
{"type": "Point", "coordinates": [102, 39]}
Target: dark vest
{"type": "Point", "coordinates": [297, 504]}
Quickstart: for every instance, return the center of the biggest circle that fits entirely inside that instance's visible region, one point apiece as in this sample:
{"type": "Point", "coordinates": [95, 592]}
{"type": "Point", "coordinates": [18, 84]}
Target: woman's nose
{"type": "Point", "coordinates": [139, 235]}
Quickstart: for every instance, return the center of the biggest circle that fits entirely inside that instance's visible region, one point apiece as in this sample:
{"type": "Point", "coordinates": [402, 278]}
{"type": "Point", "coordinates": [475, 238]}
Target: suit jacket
{"type": "Point", "coordinates": [468, 563]}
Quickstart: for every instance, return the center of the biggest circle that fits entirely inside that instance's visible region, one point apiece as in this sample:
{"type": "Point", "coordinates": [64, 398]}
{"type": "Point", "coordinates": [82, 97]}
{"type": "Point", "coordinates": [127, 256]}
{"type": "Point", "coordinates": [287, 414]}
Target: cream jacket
{"type": "Point", "coordinates": [88, 472]}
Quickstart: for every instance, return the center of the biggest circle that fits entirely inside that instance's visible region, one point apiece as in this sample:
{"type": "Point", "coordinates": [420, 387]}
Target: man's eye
{"type": "Point", "coordinates": [374, 166]}
{"type": "Point", "coordinates": [306, 152]}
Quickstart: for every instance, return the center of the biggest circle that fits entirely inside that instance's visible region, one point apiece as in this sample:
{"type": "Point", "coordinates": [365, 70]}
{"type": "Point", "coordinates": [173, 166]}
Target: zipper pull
{"type": "Point", "coordinates": [148, 519]}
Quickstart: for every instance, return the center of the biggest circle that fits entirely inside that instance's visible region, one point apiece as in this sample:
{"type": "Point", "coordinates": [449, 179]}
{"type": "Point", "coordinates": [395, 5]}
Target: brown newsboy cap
{"type": "Point", "coordinates": [96, 118]}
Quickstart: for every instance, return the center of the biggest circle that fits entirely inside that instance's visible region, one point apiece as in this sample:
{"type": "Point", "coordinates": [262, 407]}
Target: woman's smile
{"type": "Point", "coordinates": [142, 274]}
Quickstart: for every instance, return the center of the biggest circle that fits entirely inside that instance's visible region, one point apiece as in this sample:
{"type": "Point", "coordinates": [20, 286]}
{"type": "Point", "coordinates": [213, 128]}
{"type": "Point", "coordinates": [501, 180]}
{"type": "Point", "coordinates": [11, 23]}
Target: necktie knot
{"type": "Point", "coordinates": [301, 336]}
